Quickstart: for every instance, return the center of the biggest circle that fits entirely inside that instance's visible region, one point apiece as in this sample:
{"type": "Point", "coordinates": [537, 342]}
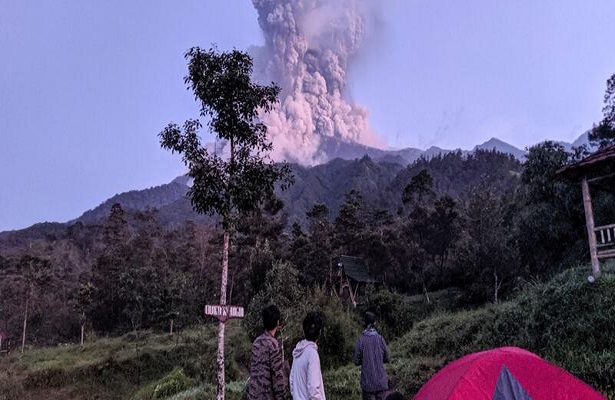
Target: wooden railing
{"type": "Point", "coordinates": [5, 345]}
{"type": "Point", "coordinates": [605, 240]}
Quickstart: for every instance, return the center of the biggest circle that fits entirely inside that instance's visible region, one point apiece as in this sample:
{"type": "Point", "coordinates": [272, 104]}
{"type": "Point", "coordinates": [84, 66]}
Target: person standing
{"type": "Point", "coordinates": [370, 353]}
{"type": "Point", "coordinates": [305, 375]}
{"type": "Point", "coordinates": [268, 379]}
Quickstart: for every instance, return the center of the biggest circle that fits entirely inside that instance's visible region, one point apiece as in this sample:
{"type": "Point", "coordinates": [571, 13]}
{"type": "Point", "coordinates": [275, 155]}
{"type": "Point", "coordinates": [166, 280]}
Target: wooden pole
{"type": "Point", "coordinates": [221, 324]}
{"type": "Point", "coordinates": [25, 323]}
{"type": "Point", "coordinates": [589, 221]}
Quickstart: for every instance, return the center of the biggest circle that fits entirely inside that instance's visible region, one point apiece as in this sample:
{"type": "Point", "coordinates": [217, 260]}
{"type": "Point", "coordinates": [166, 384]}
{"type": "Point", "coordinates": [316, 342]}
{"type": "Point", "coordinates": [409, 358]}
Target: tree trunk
{"type": "Point", "coordinates": [220, 355]}
{"type": "Point", "coordinates": [82, 330]}
{"type": "Point", "coordinates": [171, 329]}
{"type": "Point", "coordinates": [25, 323]}
{"type": "Point", "coordinates": [426, 293]}
{"type": "Point", "coordinates": [496, 286]}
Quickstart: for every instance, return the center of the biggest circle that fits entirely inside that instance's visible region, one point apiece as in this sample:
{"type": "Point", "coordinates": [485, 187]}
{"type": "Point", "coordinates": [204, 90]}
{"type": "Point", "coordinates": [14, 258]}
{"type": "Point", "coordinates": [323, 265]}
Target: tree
{"type": "Point", "coordinates": [443, 230]}
{"type": "Point", "coordinates": [550, 222]}
{"type": "Point", "coordinates": [32, 281]}
{"type": "Point", "coordinates": [106, 304]}
{"type": "Point", "coordinates": [419, 189]}
{"type": "Point", "coordinates": [238, 184]}
{"type": "Point", "coordinates": [350, 224]}
{"type": "Point", "coordinates": [315, 265]}
{"type": "Point", "coordinates": [84, 306]}
{"type": "Point", "coordinates": [603, 134]}
{"type": "Point", "coordinates": [488, 260]}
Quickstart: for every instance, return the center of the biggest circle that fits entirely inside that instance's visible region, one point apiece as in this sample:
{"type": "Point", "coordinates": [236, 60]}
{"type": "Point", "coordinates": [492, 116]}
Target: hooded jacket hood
{"type": "Point", "coordinates": [303, 346]}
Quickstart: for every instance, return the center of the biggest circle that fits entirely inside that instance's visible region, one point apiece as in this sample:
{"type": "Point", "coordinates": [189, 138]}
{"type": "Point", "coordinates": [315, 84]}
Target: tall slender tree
{"type": "Point", "coordinates": [603, 134]}
{"type": "Point", "coordinates": [238, 180]}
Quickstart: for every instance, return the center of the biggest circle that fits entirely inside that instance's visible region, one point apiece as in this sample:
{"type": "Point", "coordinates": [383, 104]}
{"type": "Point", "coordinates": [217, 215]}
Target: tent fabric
{"type": "Point", "coordinates": [509, 388]}
{"type": "Point", "coordinates": [475, 377]}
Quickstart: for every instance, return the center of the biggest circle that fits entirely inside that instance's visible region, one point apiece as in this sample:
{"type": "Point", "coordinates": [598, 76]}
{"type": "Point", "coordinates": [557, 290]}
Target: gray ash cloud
{"type": "Point", "coordinates": [308, 45]}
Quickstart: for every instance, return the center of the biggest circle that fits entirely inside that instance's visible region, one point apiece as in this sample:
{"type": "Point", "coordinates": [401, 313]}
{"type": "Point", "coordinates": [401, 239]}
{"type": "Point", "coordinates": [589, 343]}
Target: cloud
{"type": "Point", "coordinates": [308, 45]}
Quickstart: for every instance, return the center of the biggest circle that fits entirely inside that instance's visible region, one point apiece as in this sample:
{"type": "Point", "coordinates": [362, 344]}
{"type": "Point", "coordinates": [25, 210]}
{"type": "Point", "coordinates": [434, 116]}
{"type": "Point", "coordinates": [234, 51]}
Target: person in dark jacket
{"type": "Point", "coordinates": [370, 353]}
{"type": "Point", "coordinates": [268, 378]}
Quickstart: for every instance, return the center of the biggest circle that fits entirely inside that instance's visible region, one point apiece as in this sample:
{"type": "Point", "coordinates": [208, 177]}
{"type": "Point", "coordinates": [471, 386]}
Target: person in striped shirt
{"type": "Point", "coordinates": [268, 376]}
{"type": "Point", "coordinates": [370, 353]}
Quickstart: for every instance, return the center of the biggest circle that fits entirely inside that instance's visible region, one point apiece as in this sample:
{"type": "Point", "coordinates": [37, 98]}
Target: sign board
{"type": "Point", "coordinates": [224, 313]}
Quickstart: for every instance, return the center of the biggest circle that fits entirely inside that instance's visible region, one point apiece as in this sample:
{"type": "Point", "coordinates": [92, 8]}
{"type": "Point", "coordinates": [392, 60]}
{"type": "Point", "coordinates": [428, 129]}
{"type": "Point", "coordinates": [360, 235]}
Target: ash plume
{"type": "Point", "coordinates": [308, 45]}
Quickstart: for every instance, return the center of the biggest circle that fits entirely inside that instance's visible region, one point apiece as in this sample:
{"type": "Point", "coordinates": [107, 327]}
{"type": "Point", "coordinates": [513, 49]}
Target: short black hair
{"type": "Point", "coordinates": [370, 318]}
{"type": "Point", "coordinates": [271, 316]}
{"type": "Point", "coordinates": [312, 324]}
{"type": "Point", "coordinates": [394, 396]}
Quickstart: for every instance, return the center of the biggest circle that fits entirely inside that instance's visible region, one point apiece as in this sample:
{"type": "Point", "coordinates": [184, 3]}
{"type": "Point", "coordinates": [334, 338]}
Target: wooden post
{"type": "Point", "coordinates": [25, 323]}
{"type": "Point", "coordinates": [221, 324]}
{"type": "Point", "coordinates": [589, 221]}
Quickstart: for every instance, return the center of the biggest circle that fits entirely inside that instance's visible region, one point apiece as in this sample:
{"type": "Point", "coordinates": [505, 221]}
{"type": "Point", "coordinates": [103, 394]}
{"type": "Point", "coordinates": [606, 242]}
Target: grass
{"type": "Point", "coordinates": [567, 321]}
{"type": "Point", "coordinates": [115, 368]}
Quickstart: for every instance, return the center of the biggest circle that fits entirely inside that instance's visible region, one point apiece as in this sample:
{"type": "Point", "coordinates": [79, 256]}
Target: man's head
{"type": "Point", "coordinates": [312, 324]}
{"type": "Point", "coordinates": [271, 317]}
{"type": "Point", "coordinates": [370, 319]}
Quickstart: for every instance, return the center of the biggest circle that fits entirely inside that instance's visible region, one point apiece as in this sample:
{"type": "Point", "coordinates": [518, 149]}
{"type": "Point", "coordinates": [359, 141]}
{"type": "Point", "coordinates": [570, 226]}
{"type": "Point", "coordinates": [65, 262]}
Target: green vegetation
{"type": "Point", "coordinates": [117, 368]}
{"type": "Point", "coordinates": [565, 320]}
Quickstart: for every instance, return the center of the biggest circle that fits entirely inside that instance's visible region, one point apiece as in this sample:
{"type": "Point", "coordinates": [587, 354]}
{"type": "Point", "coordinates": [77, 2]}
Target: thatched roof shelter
{"type": "Point", "coordinates": [596, 168]}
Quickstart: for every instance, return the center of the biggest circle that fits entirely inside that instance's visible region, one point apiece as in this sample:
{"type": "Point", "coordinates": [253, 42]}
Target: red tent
{"type": "Point", "coordinates": [507, 373]}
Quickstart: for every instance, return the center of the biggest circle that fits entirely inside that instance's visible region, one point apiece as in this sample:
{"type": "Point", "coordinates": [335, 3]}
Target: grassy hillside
{"type": "Point", "coordinates": [568, 321]}
{"type": "Point", "coordinates": [118, 368]}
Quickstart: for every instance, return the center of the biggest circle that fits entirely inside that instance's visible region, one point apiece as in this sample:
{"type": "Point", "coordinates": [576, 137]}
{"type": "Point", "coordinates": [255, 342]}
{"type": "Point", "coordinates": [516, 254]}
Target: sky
{"type": "Point", "coordinates": [86, 86]}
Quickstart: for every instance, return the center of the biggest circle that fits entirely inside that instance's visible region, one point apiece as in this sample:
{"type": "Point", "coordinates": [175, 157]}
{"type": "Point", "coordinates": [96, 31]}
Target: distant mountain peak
{"type": "Point", "coordinates": [501, 146]}
{"type": "Point", "coordinates": [182, 180]}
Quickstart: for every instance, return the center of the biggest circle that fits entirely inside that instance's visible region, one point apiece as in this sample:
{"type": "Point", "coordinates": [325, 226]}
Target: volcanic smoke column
{"type": "Point", "coordinates": [307, 47]}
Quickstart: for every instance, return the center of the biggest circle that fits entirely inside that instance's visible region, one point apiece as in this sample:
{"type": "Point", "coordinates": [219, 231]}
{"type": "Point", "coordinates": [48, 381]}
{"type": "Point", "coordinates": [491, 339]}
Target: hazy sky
{"type": "Point", "coordinates": [86, 86]}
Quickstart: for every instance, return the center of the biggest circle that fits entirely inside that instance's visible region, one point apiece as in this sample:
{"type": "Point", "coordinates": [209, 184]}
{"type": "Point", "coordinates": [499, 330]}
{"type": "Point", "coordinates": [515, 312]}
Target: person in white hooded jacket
{"type": "Point", "coordinates": [305, 375]}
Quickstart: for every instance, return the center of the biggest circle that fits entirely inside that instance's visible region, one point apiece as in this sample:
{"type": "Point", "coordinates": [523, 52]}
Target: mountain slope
{"type": "Point", "coordinates": [325, 183]}
{"type": "Point", "coordinates": [156, 197]}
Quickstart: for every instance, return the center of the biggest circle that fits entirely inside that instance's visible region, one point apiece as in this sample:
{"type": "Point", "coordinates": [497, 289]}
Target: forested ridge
{"type": "Point", "coordinates": [478, 223]}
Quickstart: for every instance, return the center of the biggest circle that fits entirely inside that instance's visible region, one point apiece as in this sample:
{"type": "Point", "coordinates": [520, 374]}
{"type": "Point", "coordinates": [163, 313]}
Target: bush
{"type": "Point", "coordinates": [339, 335]}
{"type": "Point", "coordinates": [408, 375]}
{"type": "Point", "coordinates": [597, 368]}
{"type": "Point", "coordinates": [342, 383]}
{"type": "Point", "coordinates": [567, 321]}
{"type": "Point", "coordinates": [396, 313]}
{"type": "Point", "coordinates": [171, 384]}
{"type": "Point", "coordinates": [282, 289]}
{"type": "Point", "coordinates": [202, 365]}
{"type": "Point", "coordinates": [449, 335]}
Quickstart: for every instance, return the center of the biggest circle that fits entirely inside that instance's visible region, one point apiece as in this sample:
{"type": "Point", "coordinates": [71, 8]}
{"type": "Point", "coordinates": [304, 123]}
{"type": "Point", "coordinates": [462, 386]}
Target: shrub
{"type": "Point", "coordinates": [396, 313]}
{"type": "Point", "coordinates": [282, 289]}
{"type": "Point", "coordinates": [342, 383]}
{"type": "Point", "coordinates": [339, 335]}
{"type": "Point", "coordinates": [409, 374]}
{"type": "Point", "coordinates": [449, 335]}
{"type": "Point", "coordinates": [171, 384]}
{"type": "Point", "coordinates": [567, 321]}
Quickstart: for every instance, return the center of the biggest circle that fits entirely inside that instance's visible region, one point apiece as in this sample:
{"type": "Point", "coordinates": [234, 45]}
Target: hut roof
{"type": "Point", "coordinates": [601, 162]}
{"type": "Point", "coordinates": [356, 269]}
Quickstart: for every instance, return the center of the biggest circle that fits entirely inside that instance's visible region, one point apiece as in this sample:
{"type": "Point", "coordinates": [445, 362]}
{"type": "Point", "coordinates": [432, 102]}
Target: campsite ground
{"type": "Point", "coordinates": [568, 321]}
